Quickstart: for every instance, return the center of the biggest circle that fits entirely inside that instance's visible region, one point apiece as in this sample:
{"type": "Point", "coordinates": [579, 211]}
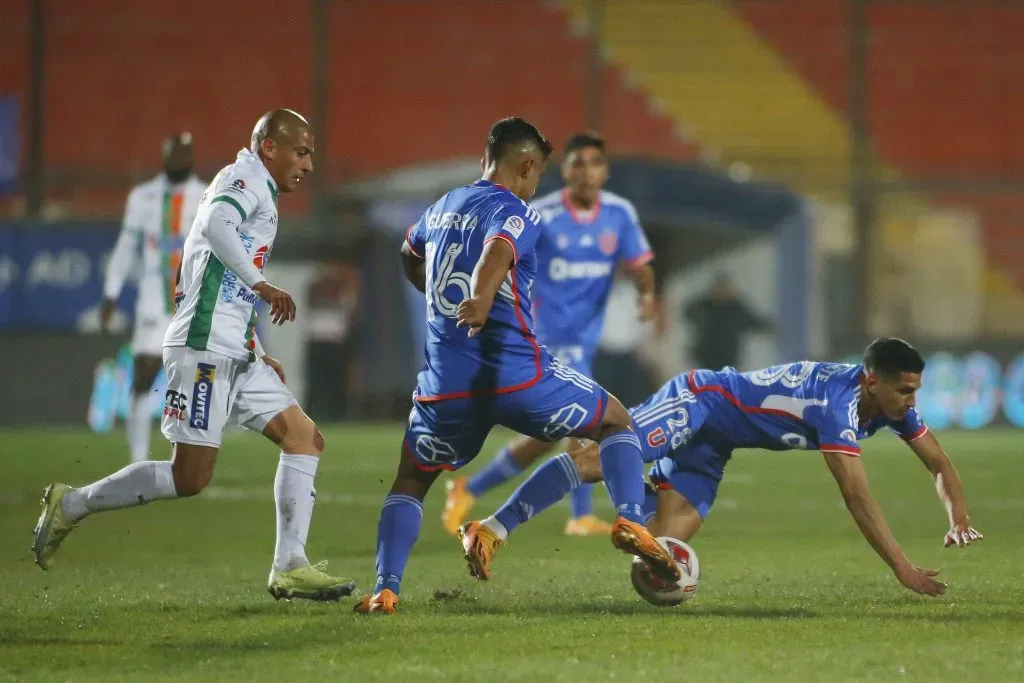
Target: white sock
{"type": "Point", "coordinates": [497, 527]}
{"type": "Point", "coordinates": [139, 426]}
{"type": "Point", "coordinates": [294, 496]}
{"type": "Point", "coordinates": [136, 484]}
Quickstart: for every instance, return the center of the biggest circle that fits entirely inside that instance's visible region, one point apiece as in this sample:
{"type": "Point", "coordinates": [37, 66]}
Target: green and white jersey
{"type": "Point", "coordinates": [157, 218]}
{"type": "Point", "coordinates": [223, 258]}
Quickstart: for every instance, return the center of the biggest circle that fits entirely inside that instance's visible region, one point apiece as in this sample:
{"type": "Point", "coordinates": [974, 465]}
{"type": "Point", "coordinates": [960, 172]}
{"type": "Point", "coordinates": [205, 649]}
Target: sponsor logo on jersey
{"type": "Point", "coordinates": [227, 286]}
{"type": "Point", "coordinates": [261, 257]}
{"type": "Point", "coordinates": [247, 295]}
{"type": "Point", "coordinates": [561, 269]}
{"type": "Point", "coordinates": [514, 226]}
{"type": "Point", "coordinates": [202, 392]}
{"type": "Point", "coordinates": [608, 242]}
{"type": "Point", "coordinates": [566, 421]}
{"type": "Point", "coordinates": [247, 241]}
{"type": "Point", "coordinates": [175, 405]}
{"type": "Point", "coordinates": [434, 450]}
{"type": "Point", "coordinates": [238, 183]}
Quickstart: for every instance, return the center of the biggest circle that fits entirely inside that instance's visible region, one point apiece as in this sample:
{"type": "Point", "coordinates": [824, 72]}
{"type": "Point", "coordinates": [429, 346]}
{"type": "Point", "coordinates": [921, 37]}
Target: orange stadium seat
{"type": "Point", "coordinates": [408, 85]}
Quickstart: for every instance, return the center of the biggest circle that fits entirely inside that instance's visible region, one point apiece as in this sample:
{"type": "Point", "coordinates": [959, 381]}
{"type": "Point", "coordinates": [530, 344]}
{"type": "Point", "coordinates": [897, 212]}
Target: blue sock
{"type": "Point", "coordinates": [582, 501]}
{"type": "Point", "coordinates": [623, 469]}
{"type": "Point", "coordinates": [397, 531]}
{"type": "Point", "coordinates": [546, 486]}
{"type": "Point", "coordinates": [499, 470]}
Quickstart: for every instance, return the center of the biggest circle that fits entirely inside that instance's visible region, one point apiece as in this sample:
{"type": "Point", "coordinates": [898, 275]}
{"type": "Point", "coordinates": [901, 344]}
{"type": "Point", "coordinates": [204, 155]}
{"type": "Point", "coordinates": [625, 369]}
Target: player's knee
{"type": "Point", "coordinates": [318, 440]}
{"type": "Point", "coordinates": [295, 433]}
{"type": "Point", "coordinates": [411, 480]}
{"type": "Point", "coordinates": [191, 481]}
{"type": "Point", "coordinates": [616, 417]}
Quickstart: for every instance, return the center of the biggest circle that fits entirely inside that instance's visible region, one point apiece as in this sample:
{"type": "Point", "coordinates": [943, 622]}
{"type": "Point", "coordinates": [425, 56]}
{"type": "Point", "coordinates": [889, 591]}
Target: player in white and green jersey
{"type": "Point", "coordinates": [157, 218]}
{"type": "Point", "coordinates": [216, 368]}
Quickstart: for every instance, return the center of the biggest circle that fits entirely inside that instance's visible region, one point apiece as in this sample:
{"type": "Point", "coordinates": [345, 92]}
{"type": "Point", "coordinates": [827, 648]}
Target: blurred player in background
{"type": "Point", "coordinates": [216, 367]}
{"type": "Point", "coordinates": [157, 218]}
{"type": "Point", "coordinates": [587, 233]}
{"type": "Point", "coordinates": [691, 426]}
{"type": "Point", "coordinates": [473, 254]}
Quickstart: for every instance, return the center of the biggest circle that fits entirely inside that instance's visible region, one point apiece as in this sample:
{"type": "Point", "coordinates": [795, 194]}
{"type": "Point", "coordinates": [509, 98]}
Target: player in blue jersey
{"type": "Point", "coordinates": [473, 254]}
{"type": "Point", "coordinates": [690, 427]}
{"type": "Point", "coordinates": [588, 232]}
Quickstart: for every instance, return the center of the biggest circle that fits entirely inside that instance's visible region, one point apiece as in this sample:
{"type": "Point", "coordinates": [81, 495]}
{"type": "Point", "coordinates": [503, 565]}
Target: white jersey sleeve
{"type": "Point", "coordinates": [220, 226]}
{"type": "Point", "coordinates": [126, 251]}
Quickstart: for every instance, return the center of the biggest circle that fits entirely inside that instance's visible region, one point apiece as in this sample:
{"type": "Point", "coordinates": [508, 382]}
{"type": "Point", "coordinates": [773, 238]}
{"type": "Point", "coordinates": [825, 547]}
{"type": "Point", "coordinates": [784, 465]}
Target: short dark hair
{"type": "Point", "coordinates": [889, 356]}
{"type": "Point", "coordinates": [511, 132]}
{"type": "Point", "coordinates": [583, 140]}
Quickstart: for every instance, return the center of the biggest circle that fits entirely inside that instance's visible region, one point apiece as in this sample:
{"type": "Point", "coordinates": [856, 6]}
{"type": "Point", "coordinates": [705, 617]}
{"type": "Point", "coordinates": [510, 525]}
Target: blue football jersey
{"type": "Point", "coordinates": [804, 405]}
{"type": "Point", "coordinates": [576, 260]}
{"type": "Point", "coordinates": [451, 236]}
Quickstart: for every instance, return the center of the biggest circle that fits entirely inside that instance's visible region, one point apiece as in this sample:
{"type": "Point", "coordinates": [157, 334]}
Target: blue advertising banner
{"type": "Point", "coordinates": [51, 277]}
{"type": "Point", "coordinates": [10, 144]}
{"type": "Point", "coordinates": [972, 389]}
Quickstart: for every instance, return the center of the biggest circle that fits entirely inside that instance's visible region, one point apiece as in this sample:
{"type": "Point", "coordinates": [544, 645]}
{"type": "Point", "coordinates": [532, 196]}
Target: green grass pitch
{"type": "Point", "coordinates": [790, 590]}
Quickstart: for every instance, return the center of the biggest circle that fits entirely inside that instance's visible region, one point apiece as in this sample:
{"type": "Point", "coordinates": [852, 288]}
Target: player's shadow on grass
{"type": "Point", "coordinates": [624, 609]}
{"type": "Point", "coordinates": [225, 644]}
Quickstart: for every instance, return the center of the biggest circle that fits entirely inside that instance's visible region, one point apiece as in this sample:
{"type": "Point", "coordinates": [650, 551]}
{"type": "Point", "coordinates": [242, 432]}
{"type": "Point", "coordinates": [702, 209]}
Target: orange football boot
{"type": "Point", "coordinates": [481, 545]}
{"type": "Point", "coordinates": [635, 539]}
{"type": "Point", "coordinates": [385, 602]}
{"type": "Point", "coordinates": [587, 525]}
{"type": "Point", "coordinates": [457, 504]}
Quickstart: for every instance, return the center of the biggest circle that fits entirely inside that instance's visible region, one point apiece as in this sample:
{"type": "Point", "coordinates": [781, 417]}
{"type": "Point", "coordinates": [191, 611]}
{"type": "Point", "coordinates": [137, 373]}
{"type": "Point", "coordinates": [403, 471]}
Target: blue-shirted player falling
{"type": "Point", "coordinates": [691, 426]}
{"type": "Point", "coordinates": [473, 254]}
{"type": "Point", "coordinates": [588, 233]}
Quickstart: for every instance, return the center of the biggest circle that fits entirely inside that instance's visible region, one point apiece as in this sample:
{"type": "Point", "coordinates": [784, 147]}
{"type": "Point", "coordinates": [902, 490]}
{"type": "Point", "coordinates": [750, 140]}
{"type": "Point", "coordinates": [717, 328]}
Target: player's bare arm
{"type": "Point", "coordinates": [867, 513]}
{"type": "Point", "coordinates": [415, 267]}
{"type": "Point", "coordinates": [949, 488]}
{"type": "Point", "coordinates": [643, 280]}
{"type": "Point", "coordinates": [491, 270]}
{"type": "Point", "coordinates": [122, 261]}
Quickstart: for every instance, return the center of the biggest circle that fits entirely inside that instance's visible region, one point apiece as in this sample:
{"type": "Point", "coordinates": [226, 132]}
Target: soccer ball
{"type": "Point", "coordinates": [665, 593]}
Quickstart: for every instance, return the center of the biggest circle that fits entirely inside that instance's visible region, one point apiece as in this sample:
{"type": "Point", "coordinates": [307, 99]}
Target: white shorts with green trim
{"type": "Point", "coordinates": [206, 390]}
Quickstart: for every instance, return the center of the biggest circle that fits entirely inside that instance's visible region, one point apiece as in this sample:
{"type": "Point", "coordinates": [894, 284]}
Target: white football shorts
{"type": "Point", "coordinates": [206, 389]}
{"type": "Point", "coordinates": [148, 335]}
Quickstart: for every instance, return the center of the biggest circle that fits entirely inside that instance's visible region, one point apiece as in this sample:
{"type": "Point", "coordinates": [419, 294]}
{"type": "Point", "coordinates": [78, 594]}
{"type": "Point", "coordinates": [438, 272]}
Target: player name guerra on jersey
{"type": "Point", "coordinates": [803, 405]}
{"type": "Point", "coordinates": [216, 311]}
{"type": "Point", "coordinates": [450, 236]}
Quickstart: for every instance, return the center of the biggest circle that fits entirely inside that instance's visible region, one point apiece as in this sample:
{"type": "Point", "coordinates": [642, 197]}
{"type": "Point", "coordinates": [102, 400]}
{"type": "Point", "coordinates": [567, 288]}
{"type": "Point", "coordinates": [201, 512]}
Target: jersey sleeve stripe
{"type": "Point", "coordinates": [839, 448]}
{"type": "Point", "coordinates": [500, 236]}
{"type": "Point", "coordinates": [409, 242]}
{"type": "Point", "coordinates": [229, 200]}
{"type": "Point", "coordinates": [916, 435]}
{"type": "Point", "coordinates": [641, 260]}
